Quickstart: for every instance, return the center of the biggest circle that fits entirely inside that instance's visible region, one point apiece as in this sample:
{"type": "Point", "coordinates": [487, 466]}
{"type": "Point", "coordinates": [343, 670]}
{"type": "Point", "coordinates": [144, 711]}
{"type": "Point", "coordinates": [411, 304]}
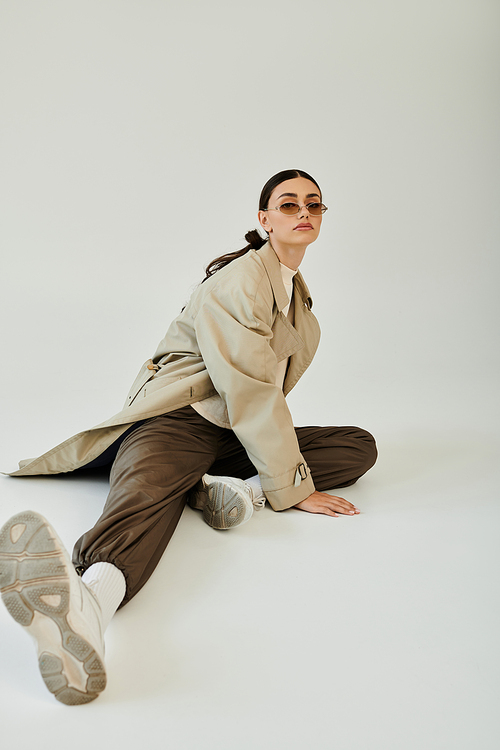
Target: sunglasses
{"type": "Point", "coordinates": [291, 209]}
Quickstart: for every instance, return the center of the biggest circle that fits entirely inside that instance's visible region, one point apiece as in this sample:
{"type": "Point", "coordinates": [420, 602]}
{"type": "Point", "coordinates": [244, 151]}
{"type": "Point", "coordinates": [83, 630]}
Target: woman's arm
{"type": "Point", "coordinates": [234, 329]}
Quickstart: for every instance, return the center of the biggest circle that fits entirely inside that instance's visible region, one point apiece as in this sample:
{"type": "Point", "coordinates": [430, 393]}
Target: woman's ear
{"type": "Point", "coordinates": [264, 222]}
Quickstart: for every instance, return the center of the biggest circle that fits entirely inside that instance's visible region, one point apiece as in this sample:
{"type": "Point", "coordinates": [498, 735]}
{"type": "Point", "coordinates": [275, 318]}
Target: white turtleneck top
{"type": "Point", "coordinates": [214, 408]}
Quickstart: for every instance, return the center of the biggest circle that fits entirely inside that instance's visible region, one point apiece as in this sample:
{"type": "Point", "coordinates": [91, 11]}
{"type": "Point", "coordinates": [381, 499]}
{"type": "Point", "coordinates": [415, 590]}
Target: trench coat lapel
{"type": "Point", "coordinates": [288, 340]}
{"type": "Point", "coordinates": [272, 265]}
{"type": "Point", "coordinates": [307, 327]}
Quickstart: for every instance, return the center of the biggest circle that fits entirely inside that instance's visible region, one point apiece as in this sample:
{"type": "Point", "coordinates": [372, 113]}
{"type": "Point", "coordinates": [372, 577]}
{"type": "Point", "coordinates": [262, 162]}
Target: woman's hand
{"type": "Point", "coordinates": [330, 505]}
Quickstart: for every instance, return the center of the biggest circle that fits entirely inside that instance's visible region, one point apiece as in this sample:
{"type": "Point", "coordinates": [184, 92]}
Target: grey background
{"type": "Point", "coordinates": [136, 137]}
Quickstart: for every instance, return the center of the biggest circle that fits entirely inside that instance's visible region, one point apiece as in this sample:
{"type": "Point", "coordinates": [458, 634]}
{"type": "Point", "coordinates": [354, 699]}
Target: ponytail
{"type": "Point", "coordinates": [255, 242]}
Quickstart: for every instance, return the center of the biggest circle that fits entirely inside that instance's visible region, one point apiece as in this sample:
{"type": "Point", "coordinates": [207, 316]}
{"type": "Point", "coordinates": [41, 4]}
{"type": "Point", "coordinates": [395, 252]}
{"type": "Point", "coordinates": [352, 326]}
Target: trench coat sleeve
{"type": "Point", "coordinates": [233, 329]}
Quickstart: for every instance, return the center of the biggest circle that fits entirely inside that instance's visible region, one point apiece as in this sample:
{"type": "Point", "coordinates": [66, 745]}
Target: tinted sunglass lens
{"type": "Point", "coordinates": [289, 208]}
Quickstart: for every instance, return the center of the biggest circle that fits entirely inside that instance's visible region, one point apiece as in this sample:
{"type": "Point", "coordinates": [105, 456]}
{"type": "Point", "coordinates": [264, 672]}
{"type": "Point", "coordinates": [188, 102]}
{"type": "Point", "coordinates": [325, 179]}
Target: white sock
{"type": "Point", "coordinates": [256, 487]}
{"type": "Point", "coordinates": [108, 584]}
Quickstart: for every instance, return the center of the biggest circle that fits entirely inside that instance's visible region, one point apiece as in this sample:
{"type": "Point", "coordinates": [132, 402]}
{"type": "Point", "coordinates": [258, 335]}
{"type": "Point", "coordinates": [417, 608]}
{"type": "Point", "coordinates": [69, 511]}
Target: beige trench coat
{"type": "Point", "coordinates": [227, 340]}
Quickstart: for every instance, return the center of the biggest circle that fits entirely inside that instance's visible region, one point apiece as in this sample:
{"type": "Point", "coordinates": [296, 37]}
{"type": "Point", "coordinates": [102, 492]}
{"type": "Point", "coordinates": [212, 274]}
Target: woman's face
{"type": "Point", "coordinates": [301, 228]}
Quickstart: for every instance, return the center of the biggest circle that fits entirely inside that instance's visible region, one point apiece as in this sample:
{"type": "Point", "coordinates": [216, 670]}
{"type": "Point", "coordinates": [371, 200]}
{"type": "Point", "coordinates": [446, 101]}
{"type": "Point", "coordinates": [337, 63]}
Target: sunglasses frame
{"type": "Point", "coordinates": [278, 208]}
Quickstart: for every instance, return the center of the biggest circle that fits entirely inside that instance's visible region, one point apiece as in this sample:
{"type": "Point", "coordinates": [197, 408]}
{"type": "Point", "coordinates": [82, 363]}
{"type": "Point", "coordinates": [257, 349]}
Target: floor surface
{"type": "Point", "coordinates": [296, 631]}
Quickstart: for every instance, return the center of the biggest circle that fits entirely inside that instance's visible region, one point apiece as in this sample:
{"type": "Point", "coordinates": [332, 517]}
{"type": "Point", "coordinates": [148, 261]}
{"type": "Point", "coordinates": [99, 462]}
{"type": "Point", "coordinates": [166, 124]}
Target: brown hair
{"type": "Point", "coordinates": [253, 237]}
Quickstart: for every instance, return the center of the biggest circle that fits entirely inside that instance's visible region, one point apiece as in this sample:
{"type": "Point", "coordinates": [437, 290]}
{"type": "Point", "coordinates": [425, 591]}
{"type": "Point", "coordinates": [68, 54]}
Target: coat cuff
{"type": "Point", "coordinates": [289, 489]}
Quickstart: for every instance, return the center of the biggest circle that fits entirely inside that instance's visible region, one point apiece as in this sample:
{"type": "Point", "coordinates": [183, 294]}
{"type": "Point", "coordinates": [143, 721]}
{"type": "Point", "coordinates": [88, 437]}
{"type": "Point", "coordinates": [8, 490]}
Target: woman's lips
{"type": "Point", "coordinates": [300, 227]}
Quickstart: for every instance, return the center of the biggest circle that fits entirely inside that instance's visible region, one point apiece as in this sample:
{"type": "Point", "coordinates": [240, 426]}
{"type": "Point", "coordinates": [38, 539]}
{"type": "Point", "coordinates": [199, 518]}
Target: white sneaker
{"type": "Point", "coordinates": [44, 594]}
{"type": "Point", "coordinates": [225, 501]}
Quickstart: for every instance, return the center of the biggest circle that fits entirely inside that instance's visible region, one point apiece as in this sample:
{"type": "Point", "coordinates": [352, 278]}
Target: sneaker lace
{"type": "Point", "coordinates": [259, 503]}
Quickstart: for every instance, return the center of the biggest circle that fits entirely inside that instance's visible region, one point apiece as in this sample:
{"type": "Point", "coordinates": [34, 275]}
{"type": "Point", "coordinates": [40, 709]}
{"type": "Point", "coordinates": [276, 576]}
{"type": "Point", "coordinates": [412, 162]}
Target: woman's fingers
{"type": "Point", "coordinates": [342, 505]}
{"type": "Point", "coordinates": [329, 505]}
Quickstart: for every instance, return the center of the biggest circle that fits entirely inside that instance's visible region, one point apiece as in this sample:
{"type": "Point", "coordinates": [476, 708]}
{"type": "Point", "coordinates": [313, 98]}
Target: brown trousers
{"type": "Point", "coordinates": [158, 461]}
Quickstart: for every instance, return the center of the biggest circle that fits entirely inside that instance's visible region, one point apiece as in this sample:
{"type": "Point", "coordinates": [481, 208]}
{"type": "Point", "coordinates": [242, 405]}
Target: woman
{"type": "Point", "coordinates": [205, 422]}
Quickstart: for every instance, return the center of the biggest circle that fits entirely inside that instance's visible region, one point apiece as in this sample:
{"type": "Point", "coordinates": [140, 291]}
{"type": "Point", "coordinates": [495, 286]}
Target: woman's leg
{"type": "Point", "coordinates": [154, 468]}
{"type": "Point", "coordinates": [156, 464]}
{"type": "Point", "coordinates": [336, 456]}
{"type": "Point", "coordinates": [162, 459]}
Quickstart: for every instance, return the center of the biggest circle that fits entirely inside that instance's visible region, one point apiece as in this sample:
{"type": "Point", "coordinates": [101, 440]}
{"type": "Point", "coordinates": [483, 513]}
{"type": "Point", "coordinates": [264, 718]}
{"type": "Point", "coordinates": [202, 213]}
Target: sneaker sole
{"type": "Point", "coordinates": [35, 588]}
{"type": "Point", "coordinates": [224, 508]}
